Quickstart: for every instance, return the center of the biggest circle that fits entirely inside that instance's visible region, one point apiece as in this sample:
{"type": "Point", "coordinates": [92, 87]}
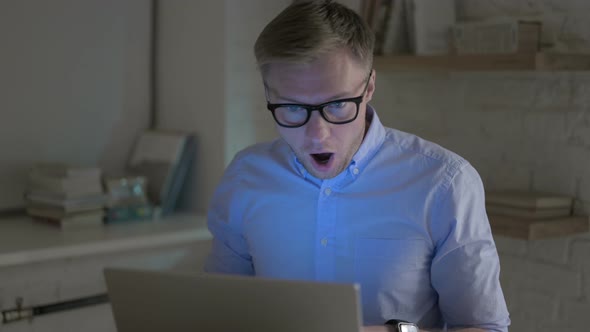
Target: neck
{"type": "Point", "coordinates": [368, 120]}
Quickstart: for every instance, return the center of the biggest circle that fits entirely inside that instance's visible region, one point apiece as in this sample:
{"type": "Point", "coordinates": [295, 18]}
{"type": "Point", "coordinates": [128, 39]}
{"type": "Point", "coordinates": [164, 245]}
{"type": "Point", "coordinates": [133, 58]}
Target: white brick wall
{"type": "Point", "coordinates": [526, 130]}
{"type": "Point", "coordinates": [547, 282]}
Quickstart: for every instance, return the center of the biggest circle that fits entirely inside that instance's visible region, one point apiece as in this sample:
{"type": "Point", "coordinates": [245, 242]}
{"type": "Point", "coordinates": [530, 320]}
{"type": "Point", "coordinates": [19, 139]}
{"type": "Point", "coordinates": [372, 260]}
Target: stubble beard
{"type": "Point", "coordinates": [338, 168]}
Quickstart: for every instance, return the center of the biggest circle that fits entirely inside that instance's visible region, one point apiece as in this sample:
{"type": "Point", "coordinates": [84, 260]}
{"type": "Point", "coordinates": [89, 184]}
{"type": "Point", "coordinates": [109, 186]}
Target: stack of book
{"type": "Point", "coordinates": [66, 196]}
{"type": "Point", "coordinates": [531, 215]}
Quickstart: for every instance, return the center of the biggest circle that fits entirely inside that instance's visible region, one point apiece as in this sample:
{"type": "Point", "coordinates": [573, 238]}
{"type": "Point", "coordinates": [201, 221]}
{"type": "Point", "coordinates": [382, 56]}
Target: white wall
{"type": "Point", "coordinates": [136, 103]}
{"type": "Point", "coordinates": [208, 83]}
{"type": "Point", "coordinates": [247, 119]}
{"type": "Point", "coordinates": [73, 85]}
{"type": "Point", "coordinates": [191, 87]}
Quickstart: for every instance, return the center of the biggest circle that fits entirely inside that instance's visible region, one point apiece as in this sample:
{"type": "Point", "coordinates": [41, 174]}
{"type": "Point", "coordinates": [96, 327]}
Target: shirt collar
{"type": "Point", "coordinates": [302, 171]}
{"type": "Point", "coordinates": [371, 143]}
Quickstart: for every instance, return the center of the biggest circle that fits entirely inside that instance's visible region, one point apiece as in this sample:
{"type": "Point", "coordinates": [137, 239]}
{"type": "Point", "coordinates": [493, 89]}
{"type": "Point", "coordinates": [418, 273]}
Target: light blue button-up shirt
{"type": "Point", "coordinates": [406, 221]}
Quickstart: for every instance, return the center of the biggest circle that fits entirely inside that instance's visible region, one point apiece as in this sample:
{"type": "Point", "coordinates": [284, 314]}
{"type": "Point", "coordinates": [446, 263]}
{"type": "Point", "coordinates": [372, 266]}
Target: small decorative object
{"type": "Point", "coordinates": [127, 199]}
{"type": "Point", "coordinates": [125, 191]}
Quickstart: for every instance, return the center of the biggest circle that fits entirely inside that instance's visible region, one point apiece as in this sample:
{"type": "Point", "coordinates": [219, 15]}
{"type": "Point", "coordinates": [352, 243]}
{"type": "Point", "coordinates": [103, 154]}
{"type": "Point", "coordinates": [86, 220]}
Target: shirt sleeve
{"type": "Point", "coordinates": [229, 252]}
{"type": "Point", "coordinates": [465, 269]}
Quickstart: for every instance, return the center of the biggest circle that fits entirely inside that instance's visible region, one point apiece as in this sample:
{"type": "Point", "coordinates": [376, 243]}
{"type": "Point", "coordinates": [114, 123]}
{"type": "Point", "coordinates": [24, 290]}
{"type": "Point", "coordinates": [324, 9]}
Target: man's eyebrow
{"type": "Point", "coordinates": [294, 101]}
{"type": "Point", "coordinates": [276, 94]}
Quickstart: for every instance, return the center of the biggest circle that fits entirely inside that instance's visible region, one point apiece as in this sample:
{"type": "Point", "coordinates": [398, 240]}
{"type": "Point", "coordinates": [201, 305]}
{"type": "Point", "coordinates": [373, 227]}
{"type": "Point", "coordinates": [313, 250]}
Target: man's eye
{"type": "Point", "coordinates": [294, 108]}
{"type": "Point", "coordinates": [336, 106]}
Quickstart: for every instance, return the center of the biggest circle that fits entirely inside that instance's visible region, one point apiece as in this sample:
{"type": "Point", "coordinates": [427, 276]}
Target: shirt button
{"type": "Point", "coordinates": [324, 242]}
{"type": "Point", "coordinates": [355, 171]}
{"type": "Point", "coordinates": [328, 191]}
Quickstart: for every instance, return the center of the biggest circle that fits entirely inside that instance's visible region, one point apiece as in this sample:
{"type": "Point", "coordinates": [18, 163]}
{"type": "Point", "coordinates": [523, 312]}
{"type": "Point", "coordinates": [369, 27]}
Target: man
{"type": "Point", "coordinates": [341, 198]}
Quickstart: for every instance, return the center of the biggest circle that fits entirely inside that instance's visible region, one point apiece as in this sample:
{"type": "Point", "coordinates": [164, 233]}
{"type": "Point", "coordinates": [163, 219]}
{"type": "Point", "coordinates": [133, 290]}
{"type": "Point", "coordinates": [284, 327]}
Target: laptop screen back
{"type": "Point", "coordinates": [156, 301]}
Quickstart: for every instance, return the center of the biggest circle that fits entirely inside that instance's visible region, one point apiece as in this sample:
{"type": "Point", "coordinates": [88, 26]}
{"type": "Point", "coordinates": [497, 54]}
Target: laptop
{"type": "Point", "coordinates": [156, 301]}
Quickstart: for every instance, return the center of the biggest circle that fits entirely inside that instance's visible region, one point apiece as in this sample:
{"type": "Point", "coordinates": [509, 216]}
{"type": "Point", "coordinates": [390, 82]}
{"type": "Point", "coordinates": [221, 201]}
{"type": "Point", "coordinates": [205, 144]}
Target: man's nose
{"type": "Point", "coordinates": [317, 128]}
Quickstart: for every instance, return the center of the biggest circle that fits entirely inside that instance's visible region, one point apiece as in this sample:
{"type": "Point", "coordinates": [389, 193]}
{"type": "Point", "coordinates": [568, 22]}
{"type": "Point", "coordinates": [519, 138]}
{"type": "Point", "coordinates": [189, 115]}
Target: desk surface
{"type": "Point", "coordinates": [24, 241]}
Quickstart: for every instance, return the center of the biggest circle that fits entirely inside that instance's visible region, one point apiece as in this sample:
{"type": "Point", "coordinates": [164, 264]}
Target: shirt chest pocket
{"type": "Point", "coordinates": [379, 256]}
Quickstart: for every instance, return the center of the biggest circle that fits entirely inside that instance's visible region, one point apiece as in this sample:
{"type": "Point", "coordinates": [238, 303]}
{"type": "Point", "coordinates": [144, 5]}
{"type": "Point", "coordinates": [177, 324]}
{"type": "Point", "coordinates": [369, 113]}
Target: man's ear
{"type": "Point", "coordinates": [265, 90]}
{"type": "Point", "coordinates": [371, 86]}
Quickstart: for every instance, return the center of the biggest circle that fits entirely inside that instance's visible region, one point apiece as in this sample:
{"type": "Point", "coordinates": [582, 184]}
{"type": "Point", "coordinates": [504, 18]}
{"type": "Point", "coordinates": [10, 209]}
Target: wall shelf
{"type": "Point", "coordinates": [539, 229]}
{"type": "Point", "coordinates": [476, 62]}
{"type": "Point", "coordinates": [24, 241]}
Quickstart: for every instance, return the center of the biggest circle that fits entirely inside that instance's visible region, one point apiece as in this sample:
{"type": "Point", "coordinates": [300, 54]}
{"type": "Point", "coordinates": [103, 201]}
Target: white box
{"type": "Point", "coordinates": [429, 25]}
{"type": "Point", "coordinates": [496, 37]}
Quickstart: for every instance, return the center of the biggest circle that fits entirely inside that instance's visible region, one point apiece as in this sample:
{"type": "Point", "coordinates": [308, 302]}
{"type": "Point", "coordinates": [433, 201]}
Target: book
{"type": "Point", "coordinates": [63, 195]}
{"type": "Point", "coordinates": [387, 20]}
{"type": "Point", "coordinates": [55, 211]}
{"type": "Point", "coordinates": [395, 36]}
{"type": "Point", "coordinates": [90, 184]}
{"type": "Point", "coordinates": [529, 199]}
{"type": "Point", "coordinates": [429, 25]}
{"type": "Point", "coordinates": [79, 203]}
{"type": "Point", "coordinates": [527, 213]}
{"type": "Point", "coordinates": [164, 159]}
{"type": "Point", "coordinates": [64, 170]}
{"type": "Point", "coordinates": [367, 9]}
{"type": "Point", "coordinates": [379, 22]}
{"type": "Point", "coordinates": [56, 183]}
{"type": "Point", "coordinates": [63, 187]}
{"type": "Point", "coordinates": [129, 213]}
{"type": "Point", "coordinates": [539, 229]}
{"type": "Point", "coordinates": [77, 221]}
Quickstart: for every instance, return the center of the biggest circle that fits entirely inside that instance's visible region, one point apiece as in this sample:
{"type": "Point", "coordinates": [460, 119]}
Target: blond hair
{"type": "Point", "coordinates": [306, 30]}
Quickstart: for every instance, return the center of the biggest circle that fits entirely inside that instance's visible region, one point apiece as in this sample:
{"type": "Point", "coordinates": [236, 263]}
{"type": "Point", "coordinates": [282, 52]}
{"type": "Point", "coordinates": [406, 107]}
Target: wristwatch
{"type": "Point", "coordinates": [402, 326]}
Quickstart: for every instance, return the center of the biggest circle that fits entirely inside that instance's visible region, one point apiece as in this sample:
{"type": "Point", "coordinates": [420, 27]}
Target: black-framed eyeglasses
{"type": "Point", "coordinates": [339, 111]}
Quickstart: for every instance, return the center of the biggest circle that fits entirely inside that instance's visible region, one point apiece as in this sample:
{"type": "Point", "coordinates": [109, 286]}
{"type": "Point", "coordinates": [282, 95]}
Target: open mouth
{"type": "Point", "coordinates": [322, 158]}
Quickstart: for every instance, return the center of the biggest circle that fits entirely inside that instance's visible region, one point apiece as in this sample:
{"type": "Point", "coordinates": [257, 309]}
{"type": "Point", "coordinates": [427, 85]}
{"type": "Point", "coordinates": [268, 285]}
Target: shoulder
{"type": "Point", "coordinates": [256, 164]}
{"type": "Point", "coordinates": [267, 154]}
{"type": "Point", "coordinates": [424, 154]}
{"type": "Point", "coordinates": [243, 172]}
{"type": "Point", "coordinates": [263, 149]}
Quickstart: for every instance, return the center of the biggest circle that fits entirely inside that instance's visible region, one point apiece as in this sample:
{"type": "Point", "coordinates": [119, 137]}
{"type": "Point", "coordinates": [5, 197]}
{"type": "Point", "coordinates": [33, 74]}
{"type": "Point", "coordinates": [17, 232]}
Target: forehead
{"type": "Point", "coordinates": [332, 75]}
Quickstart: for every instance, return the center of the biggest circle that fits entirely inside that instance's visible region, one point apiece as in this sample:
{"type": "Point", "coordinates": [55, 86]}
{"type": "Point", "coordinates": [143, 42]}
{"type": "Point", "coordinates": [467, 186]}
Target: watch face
{"type": "Point", "coordinates": [403, 327]}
